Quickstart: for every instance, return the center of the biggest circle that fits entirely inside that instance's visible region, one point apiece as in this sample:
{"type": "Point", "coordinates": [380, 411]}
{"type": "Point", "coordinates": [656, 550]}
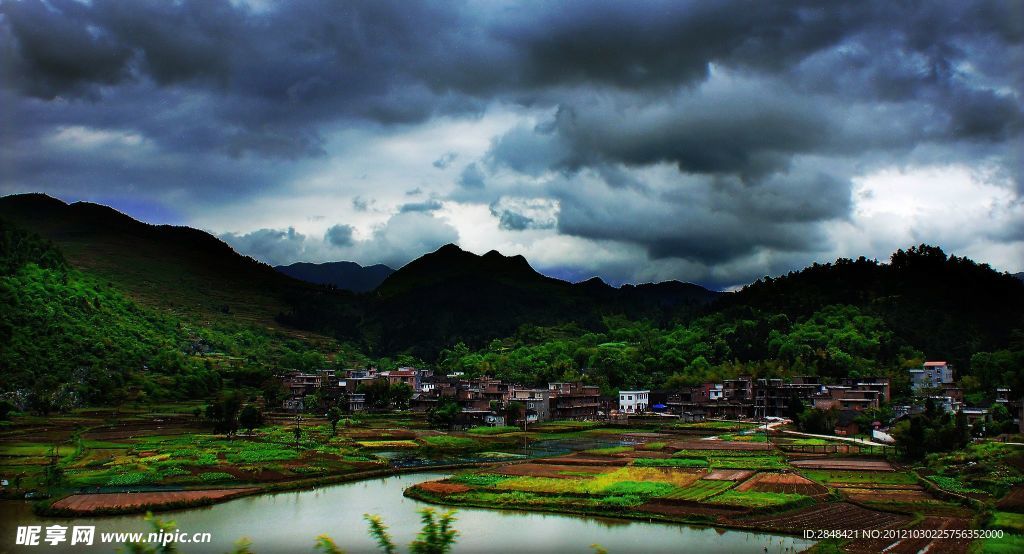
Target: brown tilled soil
{"type": "Point", "coordinates": [584, 459]}
{"type": "Point", "coordinates": [856, 464]}
{"type": "Point", "coordinates": [645, 454]}
{"type": "Point", "coordinates": [886, 495]}
{"type": "Point", "coordinates": [670, 507]}
{"type": "Point", "coordinates": [1013, 501]}
{"type": "Point", "coordinates": [439, 487]}
{"type": "Point", "coordinates": [833, 515]}
{"type": "Point", "coordinates": [782, 482]}
{"type": "Point", "coordinates": [87, 503]}
{"type": "Point", "coordinates": [729, 475]}
{"type": "Point", "coordinates": [915, 545]}
{"type": "Point", "coordinates": [719, 445]}
{"type": "Point", "coordinates": [548, 470]}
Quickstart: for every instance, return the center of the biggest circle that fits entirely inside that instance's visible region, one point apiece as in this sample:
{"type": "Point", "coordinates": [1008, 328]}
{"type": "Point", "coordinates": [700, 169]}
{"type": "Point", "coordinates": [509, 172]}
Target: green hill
{"type": "Point", "coordinates": [185, 270]}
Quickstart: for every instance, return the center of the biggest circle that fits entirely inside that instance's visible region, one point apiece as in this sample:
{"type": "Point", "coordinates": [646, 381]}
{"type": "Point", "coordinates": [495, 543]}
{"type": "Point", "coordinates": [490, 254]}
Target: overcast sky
{"type": "Point", "coordinates": [712, 142]}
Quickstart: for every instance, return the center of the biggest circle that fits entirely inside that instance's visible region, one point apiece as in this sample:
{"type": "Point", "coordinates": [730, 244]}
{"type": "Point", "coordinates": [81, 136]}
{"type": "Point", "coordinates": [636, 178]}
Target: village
{"type": "Point", "coordinates": [484, 401]}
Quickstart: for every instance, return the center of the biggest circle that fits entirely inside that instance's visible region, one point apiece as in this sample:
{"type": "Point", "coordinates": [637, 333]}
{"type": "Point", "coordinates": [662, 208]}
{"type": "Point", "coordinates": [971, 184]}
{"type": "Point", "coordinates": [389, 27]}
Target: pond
{"type": "Point", "coordinates": [291, 521]}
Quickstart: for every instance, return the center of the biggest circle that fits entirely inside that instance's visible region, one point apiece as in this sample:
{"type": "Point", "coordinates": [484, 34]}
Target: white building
{"type": "Point", "coordinates": [716, 392]}
{"type": "Point", "coordinates": [633, 401]}
{"type": "Point", "coordinates": [932, 375]}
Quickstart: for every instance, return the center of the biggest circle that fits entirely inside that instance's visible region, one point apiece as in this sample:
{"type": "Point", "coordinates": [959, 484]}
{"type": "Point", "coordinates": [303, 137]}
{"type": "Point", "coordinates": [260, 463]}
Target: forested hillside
{"type": "Point", "coordinates": [70, 339]}
{"type": "Point", "coordinates": [834, 320]}
{"type": "Point", "coordinates": [172, 312]}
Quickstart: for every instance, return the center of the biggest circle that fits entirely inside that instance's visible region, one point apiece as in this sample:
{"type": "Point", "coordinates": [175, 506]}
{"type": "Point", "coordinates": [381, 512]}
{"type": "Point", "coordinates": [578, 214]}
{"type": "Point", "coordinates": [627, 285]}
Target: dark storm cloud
{"type": "Point", "coordinates": [274, 246]}
{"type": "Point", "coordinates": [339, 235]}
{"type": "Point", "coordinates": [763, 110]}
{"type": "Point", "coordinates": [425, 206]}
{"type": "Point", "coordinates": [472, 177]}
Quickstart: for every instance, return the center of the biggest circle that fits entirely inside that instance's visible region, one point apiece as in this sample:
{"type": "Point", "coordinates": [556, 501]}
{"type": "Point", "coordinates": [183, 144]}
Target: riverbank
{"type": "Point", "coordinates": [167, 501]}
{"type": "Point", "coordinates": [291, 521]}
{"type": "Point", "coordinates": [739, 484]}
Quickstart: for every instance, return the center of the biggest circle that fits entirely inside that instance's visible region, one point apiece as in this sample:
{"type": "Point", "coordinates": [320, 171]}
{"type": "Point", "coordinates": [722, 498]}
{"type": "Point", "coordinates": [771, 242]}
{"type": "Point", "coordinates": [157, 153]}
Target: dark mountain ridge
{"type": "Point", "coordinates": [348, 276]}
{"type": "Point", "coordinates": [432, 302]}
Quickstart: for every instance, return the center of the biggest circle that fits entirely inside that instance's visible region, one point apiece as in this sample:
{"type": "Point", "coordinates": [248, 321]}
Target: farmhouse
{"type": "Point", "coordinates": [633, 401]}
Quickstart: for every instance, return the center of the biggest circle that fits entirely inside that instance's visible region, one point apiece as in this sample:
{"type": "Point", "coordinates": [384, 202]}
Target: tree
{"type": "Point", "coordinates": [334, 416]}
{"type": "Point", "coordinates": [399, 395]}
{"type": "Point", "coordinates": [795, 408]}
{"type": "Point", "coordinates": [223, 412]}
{"type": "Point", "coordinates": [250, 418]}
{"type": "Point", "coordinates": [1002, 420]}
{"type": "Point", "coordinates": [444, 413]}
{"type": "Point", "coordinates": [513, 412]}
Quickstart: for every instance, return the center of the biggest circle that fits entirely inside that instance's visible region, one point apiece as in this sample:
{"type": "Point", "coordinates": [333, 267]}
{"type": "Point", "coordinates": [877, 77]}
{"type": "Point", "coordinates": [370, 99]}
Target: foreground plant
{"type": "Point", "coordinates": [436, 536]}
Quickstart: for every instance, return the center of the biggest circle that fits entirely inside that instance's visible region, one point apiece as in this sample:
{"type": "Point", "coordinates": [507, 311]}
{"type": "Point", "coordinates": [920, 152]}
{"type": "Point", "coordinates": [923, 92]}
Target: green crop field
{"type": "Point", "coordinates": [700, 490]}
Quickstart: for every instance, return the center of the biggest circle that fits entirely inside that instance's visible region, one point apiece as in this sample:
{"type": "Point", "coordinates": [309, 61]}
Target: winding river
{"type": "Point", "coordinates": [291, 521]}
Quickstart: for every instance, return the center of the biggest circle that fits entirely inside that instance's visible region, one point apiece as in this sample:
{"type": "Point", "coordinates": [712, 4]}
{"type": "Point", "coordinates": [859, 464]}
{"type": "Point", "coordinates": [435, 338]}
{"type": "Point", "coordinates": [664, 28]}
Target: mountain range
{"type": "Point", "coordinates": [444, 296]}
{"type": "Point", "coordinates": [348, 276]}
{"type": "Point", "coordinates": [85, 286]}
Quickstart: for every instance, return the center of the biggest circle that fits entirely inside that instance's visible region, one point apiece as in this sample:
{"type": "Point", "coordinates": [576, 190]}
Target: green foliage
{"type": "Point", "coordinates": [1008, 521]}
{"type": "Point", "coordinates": [639, 488]}
{"type": "Point", "coordinates": [379, 532]}
{"type": "Point", "coordinates": [478, 479]}
{"type": "Point", "coordinates": [250, 418]}
{"type": "Point", "coordinates": [952, 484]}
{"type": "Point", "coordinates": [701, 490]}
{"type": "Point", "coordinates": [444, 413]}
{"type": "Point", "coordinates": [449, 442]}
{"type": "Point", "coordinates": [859, 477]}
{"type": "Point", "coordinates": [212, 476]}
{"type": "Point", "coordinates": [754, 499]}
{"type": "Point", "coordinates": [497, 430]}
{"type": "Point", "coordinates": [437, 535]}
{"type": "Point", "coordinates": [611, 450]}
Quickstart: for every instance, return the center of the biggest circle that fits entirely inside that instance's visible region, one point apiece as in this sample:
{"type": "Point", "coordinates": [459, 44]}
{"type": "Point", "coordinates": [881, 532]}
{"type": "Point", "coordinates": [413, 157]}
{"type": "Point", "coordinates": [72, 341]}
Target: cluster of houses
{"type": "Point", "coordinates": [484, 401]}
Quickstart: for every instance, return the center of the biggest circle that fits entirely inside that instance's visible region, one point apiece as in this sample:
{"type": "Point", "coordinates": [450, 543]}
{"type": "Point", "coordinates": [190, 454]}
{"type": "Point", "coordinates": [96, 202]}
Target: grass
{"type": "Point", "coordinates": [609, 451]}
{"type": "Point", "coordinates": [449, 442]}
{"type": "Point", "coordinates": [386, 445]}
{"type": "Point", "coordinates": [639, 488]}
{"type": "Point", "coordinates": [809, 442]}
{"type": "Point", "coordinates": [1009, 544]}
{"type": "Point", "coordinates": [35, 450]}
{"type": "Point", "coordinates": [701, 490]}
{"type": "Point", "coordinates": [499, 430]}
{"type": "Point", "coordinates": [541, 485]}
{"type": "Point", "coordinates": [751, 462]}
{"type": "Point", "coordinates": [858, 477]}
{"type": "Point", "coordinates": [953, 484]}
{"type": "Point", "coordinates": [1008, 521]}
{"type": "Point", "coordinates": [753, 499]}
{"type": "Point", "coordinates": [478, 479]}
